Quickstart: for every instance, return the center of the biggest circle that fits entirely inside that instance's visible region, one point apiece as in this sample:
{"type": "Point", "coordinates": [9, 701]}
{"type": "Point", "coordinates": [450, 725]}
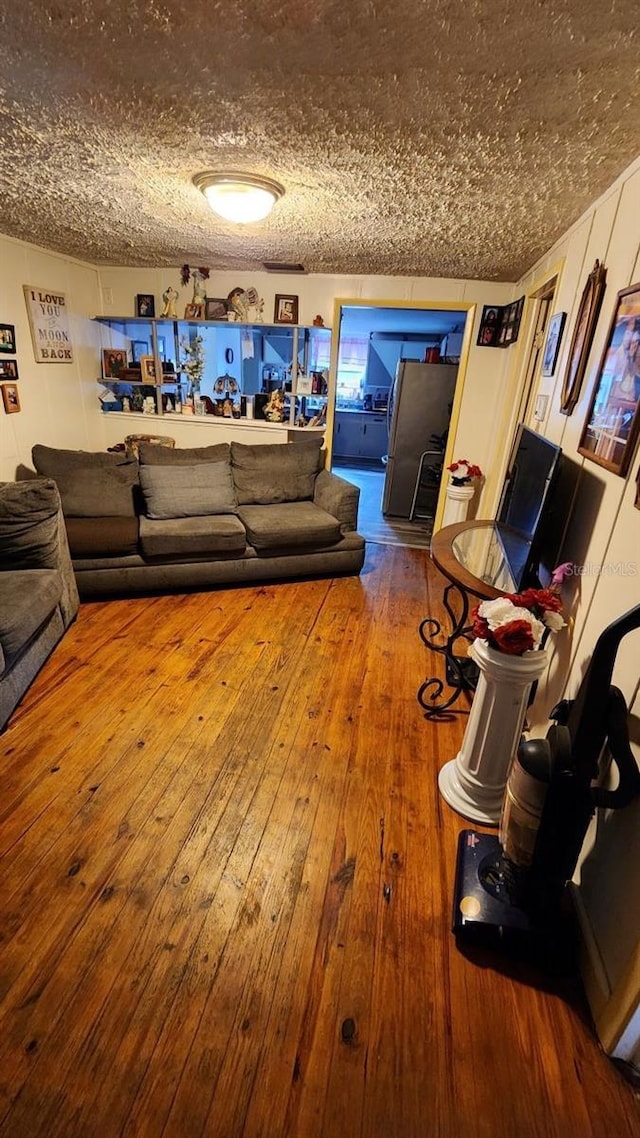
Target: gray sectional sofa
{"type": "Point", "coordinates": [198, 517]}
{"type": "Point", "coordinates": [38, 594]}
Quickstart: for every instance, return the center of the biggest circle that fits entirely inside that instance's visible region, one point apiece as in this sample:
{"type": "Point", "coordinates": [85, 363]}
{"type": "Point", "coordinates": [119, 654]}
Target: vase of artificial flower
{"type": "Point", "coordinates": [510, 658]}
{"type": "Point", "coordinates": [460, 490]}
{"type": "Point", "coordinates": [193, 363]}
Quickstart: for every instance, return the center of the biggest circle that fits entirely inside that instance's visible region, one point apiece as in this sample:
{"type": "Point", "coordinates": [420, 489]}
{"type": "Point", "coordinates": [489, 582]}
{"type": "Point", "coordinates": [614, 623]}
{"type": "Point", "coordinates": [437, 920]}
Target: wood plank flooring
{"type": "Point", "coordinates": [226, 888]}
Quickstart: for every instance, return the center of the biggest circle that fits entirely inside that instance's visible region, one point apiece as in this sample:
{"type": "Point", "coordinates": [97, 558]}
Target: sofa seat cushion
{"type": "Point", "coordinates": [187, 491]}
{"type": "Point", "coordinates": [192, 537]}
{"type": "Point", "coordinates": [267, 473]}
{"type": "Point", "coordinates": [102, 537]}
{"type": "Point", "coordinates": [28, 597]}
{"type": "Point", "coordinates": [289, 525]}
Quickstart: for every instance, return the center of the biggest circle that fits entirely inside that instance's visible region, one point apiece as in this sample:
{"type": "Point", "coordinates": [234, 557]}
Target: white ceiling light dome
{"type": "Point", "coordinates": [238, 197]}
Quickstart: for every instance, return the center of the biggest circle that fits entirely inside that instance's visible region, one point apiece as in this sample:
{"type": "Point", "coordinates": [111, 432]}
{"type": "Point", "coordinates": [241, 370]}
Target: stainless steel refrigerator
{"type": "Point", "coordinates": [419, 406]}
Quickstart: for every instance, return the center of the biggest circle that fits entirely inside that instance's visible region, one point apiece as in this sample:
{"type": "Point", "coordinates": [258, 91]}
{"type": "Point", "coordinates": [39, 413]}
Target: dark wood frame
{"type": "Point", "coordinates": [552, 343]}
{"type": "Point", "coordinates": [120, 354]}
{"type": "Point", "coordinates": [216, 308]}
{"type": "Point", "coordinates": [8, 369]}
{"type": "Point", "coordinates": [9, 348]}
{"type": "Point", "coordinates": [582, 339]}
{"type": "Point", "coordinates": [152, 305]}
{"type": "Point", "coordinates": [612, 422]}
{"type": "Point", "coordinates": [10, 406]}
{"type": "Point", "coordinates": [282, 297]}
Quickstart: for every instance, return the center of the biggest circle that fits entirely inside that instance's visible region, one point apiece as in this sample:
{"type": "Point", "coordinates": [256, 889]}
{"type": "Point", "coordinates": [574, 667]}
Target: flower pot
{"type": "Point", "coordinates": [473, 783]}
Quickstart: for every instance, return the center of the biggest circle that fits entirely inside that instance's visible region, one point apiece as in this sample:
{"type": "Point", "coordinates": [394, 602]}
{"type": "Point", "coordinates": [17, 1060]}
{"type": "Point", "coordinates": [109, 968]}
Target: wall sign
{"type": "Point", "coordinates": [49, 323]}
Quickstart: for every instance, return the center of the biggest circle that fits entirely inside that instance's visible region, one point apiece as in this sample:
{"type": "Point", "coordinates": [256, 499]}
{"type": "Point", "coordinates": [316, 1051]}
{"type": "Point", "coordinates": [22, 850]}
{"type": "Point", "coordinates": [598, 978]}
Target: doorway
{"type": "Point", "coordinates": [377, 344]}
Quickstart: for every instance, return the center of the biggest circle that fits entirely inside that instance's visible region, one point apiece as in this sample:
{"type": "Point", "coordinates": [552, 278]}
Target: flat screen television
{"type": "Point", "coordinates": [527, 518]}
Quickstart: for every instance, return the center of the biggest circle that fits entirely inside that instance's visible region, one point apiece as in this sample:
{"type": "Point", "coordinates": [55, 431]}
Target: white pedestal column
{"type": "Point", "coordinates": [457, 504]}
{"type": "Point", "coordinates": [473, 783]}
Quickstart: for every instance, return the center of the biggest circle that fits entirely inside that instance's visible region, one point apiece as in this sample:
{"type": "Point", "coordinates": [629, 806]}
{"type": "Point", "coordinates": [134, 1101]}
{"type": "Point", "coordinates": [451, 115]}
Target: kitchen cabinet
{"type": "Point", "coordinates": [360, 434]}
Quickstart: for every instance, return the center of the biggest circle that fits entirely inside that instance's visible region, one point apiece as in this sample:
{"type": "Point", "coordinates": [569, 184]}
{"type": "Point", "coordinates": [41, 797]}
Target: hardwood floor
{"type": "Point", "coordinates": [226, 888]}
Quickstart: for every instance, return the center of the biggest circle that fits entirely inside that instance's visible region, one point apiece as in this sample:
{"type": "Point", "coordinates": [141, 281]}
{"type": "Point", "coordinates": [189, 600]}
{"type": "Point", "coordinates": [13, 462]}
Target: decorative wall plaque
{"type": "Point", "coordinates": [49, 323]}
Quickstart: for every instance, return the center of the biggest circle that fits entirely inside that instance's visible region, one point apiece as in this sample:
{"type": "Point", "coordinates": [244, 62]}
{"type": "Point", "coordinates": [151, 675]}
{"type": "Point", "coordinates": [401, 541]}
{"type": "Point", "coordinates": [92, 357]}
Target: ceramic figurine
{"type": "Point", "coordinates": [170, 295]}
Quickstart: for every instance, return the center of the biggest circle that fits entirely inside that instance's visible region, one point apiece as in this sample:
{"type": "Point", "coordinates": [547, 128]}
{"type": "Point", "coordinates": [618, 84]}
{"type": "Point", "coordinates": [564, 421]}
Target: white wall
{"type": "Point", "coordinates": [58, 400]}
{"type": "Point", "coordinates": [603, 536]}
{"type": "Point", "coordinates": [317, 294]}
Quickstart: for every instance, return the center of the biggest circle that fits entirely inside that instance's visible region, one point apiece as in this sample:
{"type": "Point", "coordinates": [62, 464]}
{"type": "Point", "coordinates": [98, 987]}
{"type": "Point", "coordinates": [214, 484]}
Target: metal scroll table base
{"type": "Point", "coordinates": [460, 671]}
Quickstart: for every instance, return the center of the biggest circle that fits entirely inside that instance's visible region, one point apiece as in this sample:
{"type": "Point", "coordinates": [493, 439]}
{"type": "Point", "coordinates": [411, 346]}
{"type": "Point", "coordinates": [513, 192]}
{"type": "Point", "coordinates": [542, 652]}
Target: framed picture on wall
{"type": "Point", "coordinates": [613, 420]}
{"type": "Point", "coordinates": [489, 330]}
{"type": "Point", "coordinates": [10, 398]}
{"type": "Point", "coordinates": [552, 346]}
{"type": "Point", "coordinates": [8, 369]}
{"type": "Point", "coordinates": [286, 309]}
{"type": "Point", "coordinates": [8, 339]}
{"type": "Point", "coordinates": [582, 339]}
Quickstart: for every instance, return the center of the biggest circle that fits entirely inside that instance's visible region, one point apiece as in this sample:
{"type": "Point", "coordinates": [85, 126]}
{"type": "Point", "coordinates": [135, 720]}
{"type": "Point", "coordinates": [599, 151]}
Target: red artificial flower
{"type": "Point", "coordinates": [185, 273]}
{"type": "Point", "coordinates": [549, 601]}
{"type": "Point", "coordinates": [204, 273]}
{"type": "Point", "coordinates": [537, 600]}
{"type": "Point", "coordinates": [513, 638]}
{"type": "Point", "coordinates": [480, 626]}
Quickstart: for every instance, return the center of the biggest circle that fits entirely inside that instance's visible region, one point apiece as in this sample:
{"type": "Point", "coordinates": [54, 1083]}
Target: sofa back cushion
{"type": "Point", "coordinates": [269, 473]}
{"type": "Point", "coordinates": [150, 455]}
{"type": "Point", "coordinates": [187, 491]}
{"type": "Point", "coordinates": [29, 524]}
{"type": "Point", "coordinates": [91, 485]}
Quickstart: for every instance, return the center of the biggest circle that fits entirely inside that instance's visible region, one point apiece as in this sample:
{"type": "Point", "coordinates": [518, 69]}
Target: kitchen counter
{"type": "Point", "coordinates": [360, 411]}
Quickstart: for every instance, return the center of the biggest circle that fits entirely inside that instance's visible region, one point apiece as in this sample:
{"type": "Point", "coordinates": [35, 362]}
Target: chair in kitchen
{"type": "Point", "coordinates": [427, 487]}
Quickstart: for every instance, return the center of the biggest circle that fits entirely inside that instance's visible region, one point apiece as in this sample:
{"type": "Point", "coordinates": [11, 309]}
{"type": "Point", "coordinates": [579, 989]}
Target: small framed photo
{"type": "Point", "coordinates": [552, 346]}
{"type": "Point", "coordinates": [8, 339]}
{"type": "Point", "coordinates": [147, 369]}
{"type": "Point", "coordinates": [145, 304]}
{"type": "Point", "coordinates": [490, 324]}
{"type": "Point", "coordinates": [286, 309]}
{"type": "Point", "coordinates": [215, 308]}
{"type": "Point", "coordinates": [114, 360]}
{"type": "Point", "coordinates": [193, 311]}
{"type": "Point", "coordinates": [10, 398]}
{"type": "Point", "coordinates": [613, 421]}
{"type": "Point", "coordinates": [8, 369]}
{"type": "Point", "coordinates": [139, 348]}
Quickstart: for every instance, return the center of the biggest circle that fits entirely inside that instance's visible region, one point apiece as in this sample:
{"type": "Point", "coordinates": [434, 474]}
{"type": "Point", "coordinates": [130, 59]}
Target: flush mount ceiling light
{"type": "Point", "coordinates": [239, 197]}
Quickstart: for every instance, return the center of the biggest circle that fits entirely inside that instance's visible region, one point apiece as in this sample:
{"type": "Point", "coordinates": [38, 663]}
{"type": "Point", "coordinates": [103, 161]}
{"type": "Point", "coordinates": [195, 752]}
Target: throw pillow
{"type": "Point", "coordinates": [97, 492]}
{"type": "Point", "coordinates": [187, 491]}
{"type": "Point", "coordinates": [52, 461]}
{"type": "Point", "coordinates": [29, 524]}
{"type": "Point", "coordinates": [273, 472]}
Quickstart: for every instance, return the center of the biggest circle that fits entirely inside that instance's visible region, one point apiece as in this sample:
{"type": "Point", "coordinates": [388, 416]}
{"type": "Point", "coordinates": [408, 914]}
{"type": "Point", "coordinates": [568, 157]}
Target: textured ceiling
{"type": "Point", "coordinates": [452, 138]}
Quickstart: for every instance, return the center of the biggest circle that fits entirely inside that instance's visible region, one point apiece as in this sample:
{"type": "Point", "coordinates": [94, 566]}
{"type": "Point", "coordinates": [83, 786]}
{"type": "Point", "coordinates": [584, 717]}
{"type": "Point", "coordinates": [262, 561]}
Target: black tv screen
{"type": "Point", "coordinates": [526, 495]}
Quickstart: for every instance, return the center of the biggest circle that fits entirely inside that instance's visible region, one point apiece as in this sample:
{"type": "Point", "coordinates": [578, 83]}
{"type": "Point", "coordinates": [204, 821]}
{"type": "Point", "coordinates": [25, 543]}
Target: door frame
{"type": "Point", "coordinates": [466, 306]}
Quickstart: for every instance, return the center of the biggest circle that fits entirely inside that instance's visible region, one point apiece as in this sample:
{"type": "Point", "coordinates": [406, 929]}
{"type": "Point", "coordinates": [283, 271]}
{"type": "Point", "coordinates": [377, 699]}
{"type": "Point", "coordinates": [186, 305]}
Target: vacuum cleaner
{"type": "Point", "coordinates": [511, 891]}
